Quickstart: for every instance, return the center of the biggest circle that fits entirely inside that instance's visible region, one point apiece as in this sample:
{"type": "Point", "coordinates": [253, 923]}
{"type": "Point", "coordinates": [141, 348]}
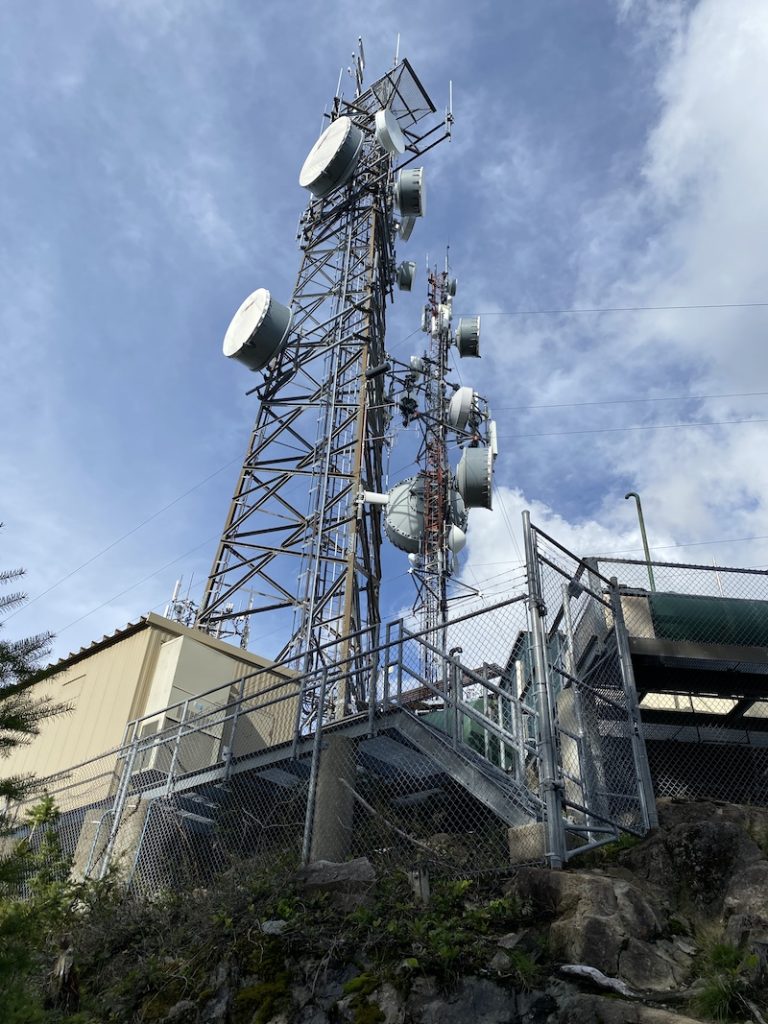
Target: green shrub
{"type": "Point", "coordinates": [728, 973]}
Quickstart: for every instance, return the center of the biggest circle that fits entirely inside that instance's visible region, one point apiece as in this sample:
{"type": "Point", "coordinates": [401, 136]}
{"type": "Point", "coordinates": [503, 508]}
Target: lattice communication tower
{"type": "Point", "coordinates": [298, 541]}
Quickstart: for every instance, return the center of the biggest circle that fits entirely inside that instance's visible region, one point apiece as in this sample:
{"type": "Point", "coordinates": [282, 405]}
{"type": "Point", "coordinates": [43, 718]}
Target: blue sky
{"type": "Point", "coordinates": [605, 154]}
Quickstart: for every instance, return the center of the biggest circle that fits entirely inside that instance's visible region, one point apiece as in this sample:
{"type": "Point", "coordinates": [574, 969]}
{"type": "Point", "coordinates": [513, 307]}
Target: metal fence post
{"type": "Point", "coordinates": [373, 680]}
{"type": "Point", "coordinates": [387, 666]}
{"type": "Point", "coordinates": [229, 750]}
{"type": "Point", "coordinates": [309, 817]}
{"type": "Point", "coordinates": [586, 768]}
{"type": "Point", "coordinates": [550, 787]}
{"type": "Point", "coordinates": [640, 754]}
{"type": "Point", "coordinates": [176, 745]}
{"type": "Point", "coordinates": [117, 808]}
{"type": "Point", "coordinates": [400, 655]}
{"type": "Point", "coordinates": [454, 719]}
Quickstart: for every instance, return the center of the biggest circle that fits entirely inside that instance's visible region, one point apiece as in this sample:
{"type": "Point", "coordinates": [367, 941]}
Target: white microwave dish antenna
{"type": "Point", "coordinates": [333, 158]}
{"type": "Point", "coordinates": [258, 330]}
{"type": "Point", "coordinates": [456, 539]}
{"type": "Point", "coordinates": [468, 336]}
{"type": "Point", "coordinates": [405, 227]}
{"type": "Point", "coordinates": [406, 272]}
{"type": "Point", "coordinates": [474, 477]}
{"type": "Point", "coordinates": [389, 134]}
{"type": "Point", "coordinates": [404, 519]}
{"type": "Point", "coordinates": [410, 192]}
{"type": "Point", "coordinates": [461, 407]}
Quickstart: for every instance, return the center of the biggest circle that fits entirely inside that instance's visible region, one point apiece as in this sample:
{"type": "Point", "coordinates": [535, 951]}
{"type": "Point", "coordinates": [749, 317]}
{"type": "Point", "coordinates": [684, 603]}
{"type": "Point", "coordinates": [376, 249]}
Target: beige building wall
{"type": "Point", "coordinates": [138, 672]}
{"type": "Point", "coordinates": [101, 691]}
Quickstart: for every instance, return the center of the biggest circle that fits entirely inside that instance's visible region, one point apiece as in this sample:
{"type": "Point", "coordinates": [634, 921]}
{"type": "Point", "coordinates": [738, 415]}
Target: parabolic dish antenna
{"type": "Point", "coordinates": [404, 518]}
{"type": "Point", "coordinates": [258, 330]}
{"type": "Point", "coordinates": [461, 406]}
{"type": "Point", "coordinates": [333, 158]}
{"type": "Point", "coordinates": [405, 229]}
{"type": "Point", "coordinates": [468, 336]}
{"type": "Point", "coordinates": [389, 134]}
{"type": "Point", "coordinates": [456, 539]}
{"type": "Point", "coordinates": [406, 272]}
{"type": "Point", "coordinates": [474, 477]}
{"type": "Point", "coordinates": [410, 192]}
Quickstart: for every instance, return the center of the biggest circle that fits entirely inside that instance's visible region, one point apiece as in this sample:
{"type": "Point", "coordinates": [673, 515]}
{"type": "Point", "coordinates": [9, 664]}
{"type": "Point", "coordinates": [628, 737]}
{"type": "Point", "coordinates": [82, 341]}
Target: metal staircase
{"type": "Point", "coordinates": [508, 797]}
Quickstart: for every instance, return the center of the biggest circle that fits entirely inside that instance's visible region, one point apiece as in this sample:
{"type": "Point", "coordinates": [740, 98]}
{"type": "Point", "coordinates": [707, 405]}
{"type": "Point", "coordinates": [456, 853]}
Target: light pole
{"type": "Point", "coordinates": [636, 496]}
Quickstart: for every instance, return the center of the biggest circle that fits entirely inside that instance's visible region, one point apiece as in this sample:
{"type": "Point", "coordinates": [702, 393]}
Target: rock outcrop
{"type": "Point", "coordinates": [669, 929]}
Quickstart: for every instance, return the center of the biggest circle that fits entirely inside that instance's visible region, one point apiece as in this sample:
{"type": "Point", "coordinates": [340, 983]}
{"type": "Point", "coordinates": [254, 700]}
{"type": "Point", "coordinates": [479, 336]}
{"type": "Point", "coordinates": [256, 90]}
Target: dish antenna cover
{"type": "Point", "coordinates": [461, 407]}
{"type": "Point", "coordinates": [410, 193]}
{"type": "Point", "coordinates": [468, 336]}
{"type": "Point", "coordinates": [456, 539]}
{"type": "Point", "coordinates": [404, 518]}
{"type": "Point", "coordinates": [389, 134]}
{"type": "Point", "coordinates": [258, 330]}
{"type": "Point", "coordinates": [333, 158]}
{"type": "Point", "coordinates": [406, 272]}
{"type": "Point", "coordinates": [405, 228]}
{"type": "Point", "coordinates": [474, 477]}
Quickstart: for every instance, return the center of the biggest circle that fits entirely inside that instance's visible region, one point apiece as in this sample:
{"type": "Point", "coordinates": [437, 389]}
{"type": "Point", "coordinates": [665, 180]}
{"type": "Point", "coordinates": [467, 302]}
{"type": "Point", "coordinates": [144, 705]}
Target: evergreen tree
{"type": "Point", "coordinates": [21, 712]}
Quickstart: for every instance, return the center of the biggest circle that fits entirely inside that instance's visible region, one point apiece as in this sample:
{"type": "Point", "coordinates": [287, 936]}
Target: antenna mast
{"type": "Point", "coordinates": [436, 556]}
{"type": "Point", "coordinates": [427, 515]}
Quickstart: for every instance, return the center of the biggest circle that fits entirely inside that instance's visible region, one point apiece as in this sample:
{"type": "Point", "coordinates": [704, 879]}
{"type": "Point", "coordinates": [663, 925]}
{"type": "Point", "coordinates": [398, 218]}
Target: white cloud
{"type": "Point", "coordinates": [687, 227]}
{"type": "Point", "coordinates": [676, 214]}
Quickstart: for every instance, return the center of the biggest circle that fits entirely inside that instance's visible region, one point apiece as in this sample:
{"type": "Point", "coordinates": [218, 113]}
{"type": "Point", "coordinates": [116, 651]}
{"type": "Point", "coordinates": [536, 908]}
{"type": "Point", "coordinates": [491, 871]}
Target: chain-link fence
{"type": "Point", "coordinates": [698, 637]}
{"type": "Point", "coordinates": [506, 735]}
{"type": "Point", "coordinates": [422, 756]}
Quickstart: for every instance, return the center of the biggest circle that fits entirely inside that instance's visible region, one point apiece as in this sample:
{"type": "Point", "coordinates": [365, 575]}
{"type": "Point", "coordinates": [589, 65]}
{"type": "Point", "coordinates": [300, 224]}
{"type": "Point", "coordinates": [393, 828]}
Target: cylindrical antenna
{"type": "Point", "coordinates": [169, 607]}
{"type": "Point", "coordinates": [397, 51]}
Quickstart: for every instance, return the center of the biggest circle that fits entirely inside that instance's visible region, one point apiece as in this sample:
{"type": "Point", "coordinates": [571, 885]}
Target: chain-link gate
{"type": "Point", "coordinates": [595, 779]}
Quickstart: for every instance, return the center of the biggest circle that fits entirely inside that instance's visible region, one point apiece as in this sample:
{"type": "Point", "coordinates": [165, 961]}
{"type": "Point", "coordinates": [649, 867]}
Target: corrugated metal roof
{"type": "Point", "coordinates": [159, 622]}
{"type": "Point", "coordinates": [97, 645]}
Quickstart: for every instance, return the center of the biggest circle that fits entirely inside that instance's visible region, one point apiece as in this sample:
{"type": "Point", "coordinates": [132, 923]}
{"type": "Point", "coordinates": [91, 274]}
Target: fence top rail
{"type": "Point", "coordinates": [163, 712]}
{"type": "Point", "coordinates": [574, 579]}
{"type": "Point", "coordinates": [460, 618]}
{"type": "Point", "coordinates": [682, 565]}
{"type": "Point", "coordinates": [294, 681]}
{"type": "Point", "coordinates": [584, 564]}
{"type": "Point", "coordinates": [335, 669]}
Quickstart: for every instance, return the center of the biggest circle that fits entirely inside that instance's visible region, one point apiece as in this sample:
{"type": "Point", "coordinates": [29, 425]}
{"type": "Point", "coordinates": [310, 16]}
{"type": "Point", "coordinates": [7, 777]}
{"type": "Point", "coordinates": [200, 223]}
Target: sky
{"type": "Point", "coordinates": [606, 156]}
